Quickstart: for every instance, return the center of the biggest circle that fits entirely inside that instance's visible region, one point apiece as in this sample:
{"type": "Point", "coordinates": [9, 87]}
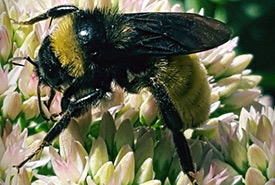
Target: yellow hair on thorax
{"type": "Point", "coordinates": [66, 47]}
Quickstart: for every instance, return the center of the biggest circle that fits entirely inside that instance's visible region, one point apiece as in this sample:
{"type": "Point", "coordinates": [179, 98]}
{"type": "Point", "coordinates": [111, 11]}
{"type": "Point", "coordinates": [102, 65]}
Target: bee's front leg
{"type": "Point", "coordinates": [74, 110]}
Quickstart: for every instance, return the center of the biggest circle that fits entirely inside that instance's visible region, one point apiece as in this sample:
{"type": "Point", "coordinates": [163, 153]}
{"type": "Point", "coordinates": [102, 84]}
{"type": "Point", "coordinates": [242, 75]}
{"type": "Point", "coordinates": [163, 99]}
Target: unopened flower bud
{"type": "Point", "coordinates": [125, 170]}
{"type": "Point", "coordinates": [30, 43]}
{"type": "Point", "coordinates": [148, 111]}
{"type": "Point", "coordinates": [5, 44]}
{"type": "Point", "coordinates": [20, 35]}
{"type": "Point", "coordinates": [251, 126]}
{"type": "Point", "coordinates": [229, 85]}
{"type": "Point", "coordinates": [257, 158]}
{"type": "Point", "coordinates": [131, 114]}
{"type": "Point", "coordinates": [122, 152]}
{"type": "Point", "coordinates": [264, 130]}
{"type": "Point", "coordinates": [241, 98]}
{"type": "Point", "coordinates": [238, 64]}
{"type": "Point", "coordinates": [5, 21]}
{"type": "Point", "coordinates": [12, 105]}
{"type": "Point", "coordinates": [3, 80]}
{"type": "Point", "coordinates": [98, 155]}
{"type": "Point", "coordinates": [30, 107]}
{"type": "Point", "coordinates": [104, 173]}
{"type": "Point", "coordinates": [254, 177]}
{"type": "Point", "coordinates": [145, 172]}
{"type": "Point", "coordinates": [238, 155]}
{"type": "Point", "coordinates": [218, 68]}
{"type": "Point", "coordinates": [250, 81]}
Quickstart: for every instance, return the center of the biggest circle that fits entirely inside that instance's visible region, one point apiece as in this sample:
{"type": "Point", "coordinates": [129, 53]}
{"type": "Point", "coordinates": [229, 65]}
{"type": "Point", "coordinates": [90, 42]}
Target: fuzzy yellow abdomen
{"type": "Point", "coordinates": [185, 81]}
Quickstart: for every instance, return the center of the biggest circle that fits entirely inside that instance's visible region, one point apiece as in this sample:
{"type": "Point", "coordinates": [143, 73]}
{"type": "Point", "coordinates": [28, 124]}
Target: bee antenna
{"type": "Point", "coordinates": [22, 58]}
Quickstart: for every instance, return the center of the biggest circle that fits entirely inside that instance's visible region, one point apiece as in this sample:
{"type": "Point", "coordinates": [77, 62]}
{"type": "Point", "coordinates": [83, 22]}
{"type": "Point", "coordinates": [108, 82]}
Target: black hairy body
{"type": "Point", "coordinates": [88, 50]}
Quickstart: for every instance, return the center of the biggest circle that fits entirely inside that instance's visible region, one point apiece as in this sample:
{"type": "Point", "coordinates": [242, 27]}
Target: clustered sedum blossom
{"type": "Point", "coordinates": [122, 140]}
{"type": "Point", "coordinates": [243, 147]}
{"type": "Point", "coordinates": [111, 159]}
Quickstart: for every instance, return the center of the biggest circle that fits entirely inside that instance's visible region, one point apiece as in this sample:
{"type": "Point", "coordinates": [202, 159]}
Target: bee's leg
{"type": "Point", "coordinates": [38, 86]}
{"type": "Point", "coordinates": [75, 109]}
{"type": "Point", "coordinates": [52, 94]}
{"type": "Point", "coordinates": [174, 123]}
{"type": "Point", "coordinates": [11, 60]}
{"type": "Point", "coordinates": [42, 113]}
{"type": "Point", "coordinates": [55, 12]}
{"type": "Point", "coordinates": [48, 104]}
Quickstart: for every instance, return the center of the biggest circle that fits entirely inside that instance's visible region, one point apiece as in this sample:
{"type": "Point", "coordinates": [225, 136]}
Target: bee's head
{"type": "Point", "coordinates": [61, 56]}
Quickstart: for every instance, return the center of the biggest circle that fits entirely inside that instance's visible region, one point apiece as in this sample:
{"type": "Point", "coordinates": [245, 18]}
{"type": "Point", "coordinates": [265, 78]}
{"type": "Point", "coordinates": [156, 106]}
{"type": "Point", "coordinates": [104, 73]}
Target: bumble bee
{"type": "Point", "coordinates": [90, 49]}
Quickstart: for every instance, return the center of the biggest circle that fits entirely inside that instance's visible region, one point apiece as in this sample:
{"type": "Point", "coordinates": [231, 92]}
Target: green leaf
{"type": "Point", "coordinates": [124, 135]}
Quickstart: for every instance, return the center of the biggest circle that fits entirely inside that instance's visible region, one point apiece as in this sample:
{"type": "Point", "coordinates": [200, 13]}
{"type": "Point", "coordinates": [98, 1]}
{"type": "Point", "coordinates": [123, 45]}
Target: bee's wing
{"type": "Point", "coordinates": [173, 33]}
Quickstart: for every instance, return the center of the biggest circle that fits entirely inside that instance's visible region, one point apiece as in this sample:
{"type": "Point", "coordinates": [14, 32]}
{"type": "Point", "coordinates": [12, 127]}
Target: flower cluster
{"type": "Point", "coordinates": [117, 156]}
{"type": "Point", "coordinates": [122, 140]}
{"type": "Point", "coordinates": [233, 86]}
{"type": "Point", "coordinates": [243, 147]}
